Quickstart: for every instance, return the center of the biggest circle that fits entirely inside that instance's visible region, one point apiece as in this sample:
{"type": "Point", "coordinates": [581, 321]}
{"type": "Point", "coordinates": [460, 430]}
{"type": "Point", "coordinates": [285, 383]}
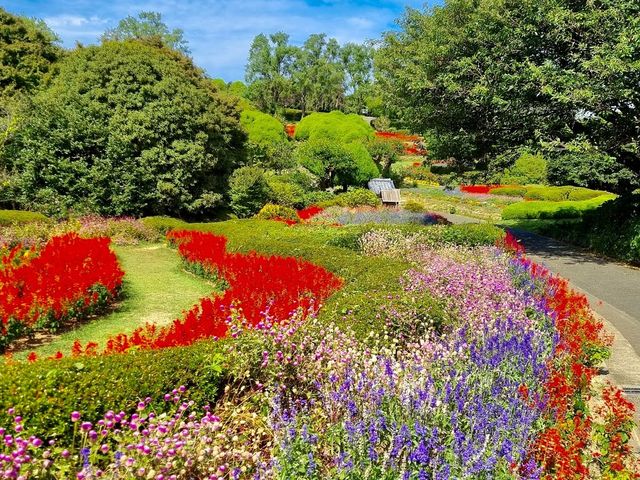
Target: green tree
{"type": "Point", "coordinates": [248, 190]}
{"type": "Point", "coordinates": [480, 77]}
{"type": "Point", "coordinates": [129, 127]}
{"type": "Point", "coordinates": [147, 25]}
{"type": "Point", "coordinates": [337, 164]}
{"type": "Point", "coordinates": [28, 52]}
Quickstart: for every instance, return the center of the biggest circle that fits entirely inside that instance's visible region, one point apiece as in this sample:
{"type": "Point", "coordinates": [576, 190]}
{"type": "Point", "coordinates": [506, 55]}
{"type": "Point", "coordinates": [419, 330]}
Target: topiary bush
{"type": "Point", "coordinates": [286, 193]}
{"type": "Point", "coordinates": [248, 190]}
{"type": "Point", "coordinates": [262, 129]}
{"type": "Point", "coordinates": [277, 212]}
{"type": "Point", "coordinates": [126, 128]}
{"type": "Point", "coordinates": [47, 391]}
{"type": "Point", "coordinates": [358, 197]}
{"type": "Point", "coordinates": [413, 206]}
{"type": "Point", "coordinates": [528, 168]}
{"type": "Point", "coordinates": [552, 209]}
{"type": "Point", "coordinates": [335, 126]}
{"type": "Point", "coordinates": [15, 217]}
{"type": "Point", "coordinates": [337, 164]}
{"type": "Point", "coordinates": [164, 224]}
{"type": "Point", "coordinates": [509, 191]}
{"type": "Point", "coordinates": [557, 194]}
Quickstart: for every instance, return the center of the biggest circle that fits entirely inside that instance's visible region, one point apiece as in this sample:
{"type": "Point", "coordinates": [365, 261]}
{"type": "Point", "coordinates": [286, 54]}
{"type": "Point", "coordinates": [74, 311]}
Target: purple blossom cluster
{"type": "Point", "coordinates": [384, 215]}
{"type": "Point", "coordinates": [447, 405]}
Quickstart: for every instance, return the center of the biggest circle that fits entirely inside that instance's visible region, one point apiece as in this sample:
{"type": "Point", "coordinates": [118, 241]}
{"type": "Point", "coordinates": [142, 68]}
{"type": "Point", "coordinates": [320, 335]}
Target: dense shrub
{"type": "Point", "coordinates": [46, 392]}
{"type": "Point", "coordinates": [414, 206]}
{"type": "Point", "coordinates": [163, 224]}
{"type": "Point", "coordinates": [29, 54]}
{"type": "Point", "coordinates": [384, 153]}
{"type": "Point", "coordinates": [358, 197]}
{"type": "Point", "coordinates": [262, 129]}
{"type": "Point", "coordinates": [277, 212]}
{"type": "Point", "coordinates": [550, 209]}
{"type": "Point", "coordinates": [13, 217]}
{"type": "Point", "coordinates": [126, 128]}
{"type": "Point", "coordinates": [527, 169]}
{"type": "Point", "coordinates": [557, 194]}
{"type": "Point", "coordinates": [509, 191]}
{"type": "Point", "coordinates": [582, 164]}
{"type": "Point", "coordinates": [334, 126]}
{"type": "Point", "coordinates": [277, 156]}
{"type": "Point", "coordinates": [337, 164]}
{"type": "Point", "coordinates": [419, 172]}
{"type": "Point", "coordinates": [366, 169]}
{"type": "Point", "coordinates": [248, 190]}
{"type": "Point", "coordinates": [285, 193]}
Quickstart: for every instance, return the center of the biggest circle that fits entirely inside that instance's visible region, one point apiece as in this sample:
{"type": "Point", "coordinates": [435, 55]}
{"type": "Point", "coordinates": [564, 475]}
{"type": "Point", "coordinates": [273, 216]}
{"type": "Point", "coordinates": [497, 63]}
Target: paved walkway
{"type": "Point", "coordinates": [613, 290]}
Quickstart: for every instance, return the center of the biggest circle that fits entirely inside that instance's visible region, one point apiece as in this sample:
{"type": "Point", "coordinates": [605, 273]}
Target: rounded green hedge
{"type": "Point", "coordinates": [335, 126]}
{"type": "Point", "coordinates": [47, 391]}
{"type": "Point", "coordinates": [14, 217]}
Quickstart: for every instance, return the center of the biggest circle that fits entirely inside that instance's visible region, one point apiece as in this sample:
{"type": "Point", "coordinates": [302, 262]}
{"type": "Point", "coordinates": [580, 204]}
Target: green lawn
{"type": "Point", "coordinates": [156, 290]}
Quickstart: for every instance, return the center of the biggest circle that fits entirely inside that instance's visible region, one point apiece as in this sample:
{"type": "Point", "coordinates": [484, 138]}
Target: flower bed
{"type": "Point", "coordinates": [365, 215]}
{"type": "Point", "coordinates": [257, 286]}
{"type": "Point", "coordinates": [66, 280]}
{"type": "Point", "coordinates": [478, 189]}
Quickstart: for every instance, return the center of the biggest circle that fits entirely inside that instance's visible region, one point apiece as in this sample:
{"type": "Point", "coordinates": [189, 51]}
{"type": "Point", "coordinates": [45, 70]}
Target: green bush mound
{"type": "Point", "coordinates": [46, 392]}
{"type": "Point", "coordinates": [272, 212]}
{"type": "Point", "coordinates": [558, 194]}
{"type": "Point", "coordinates": [15, 217]}
{"type": "Point", "coordinates": [509, 191]}
{"type": "Point", "coordinates": [164, 224]}
{"type": "Point", "coordinates": [261, 128]}
{"type": "Point", "coordinates": [612, 229]}
{"type": "Point", "coordinates": [335, 126]}
{"type": "Point", "coordinates": [358, 197]}
{"type": "Point", "coordinates": [552, 209]}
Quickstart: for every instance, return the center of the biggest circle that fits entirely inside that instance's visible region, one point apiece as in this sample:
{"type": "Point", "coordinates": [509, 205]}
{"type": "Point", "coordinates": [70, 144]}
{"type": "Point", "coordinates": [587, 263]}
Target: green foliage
{"type": "Point", "coordinates": [332, 162]}
{"type": "Point", "coordinates": [551, 209]}
{"type": "Point", "coordinates": [384, 153]}
{"type": "Point", "coordinates": [29, 52]}
{"type": "Point", "coordinates": [163, 224]}
{"type": "Point", "coordinates": [418, 173]}
{"type": "Point", "coordinates": [46, 392]}
{"type": "Point", "coordinates": [414, 206]}
{"type": "Point", "coordinates": [594, 230]}
{"type": "Point", "coordinates": [509, 191]}
{"type": "Point", "coordinates": [286, 193]}
{"type": "Point", "coordinates": [262, 129]}
{"type": "Point", "coordinates": [481, 77]}
{"type": "Point", "coordinates": [580, 163]}
{"type": "Point", "coordinates": [366, 169]}
{"type": "Point", "coordinates": [358, 197]}
{"type": "Point", "coordinates": [334, 126]}
{"type": "Point", "coordinates": [104, 136]}
{"type": "Point", "coordinates": [148, 25]}
{"type": "Point", "coordinates": [248, 190]}
{"type": "Point", "coordinates": [319, 75]}
{"type": "Point", "coordinates": [271, 212]}
{"type": "Point", "coordinates": [557, 194]}
{"type": "Point", "coordinates": [13, 217]}
{"type": "Point", "coordinates": [527, 169]}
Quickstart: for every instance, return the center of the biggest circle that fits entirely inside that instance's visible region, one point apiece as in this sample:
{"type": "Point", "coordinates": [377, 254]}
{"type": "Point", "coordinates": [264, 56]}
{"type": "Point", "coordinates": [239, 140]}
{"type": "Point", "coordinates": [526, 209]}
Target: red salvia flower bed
{"type": "Point", "coordinates": [309, 212]}
{"type": "Point", "coordinates": [481, 189]}
{"type": "Point", "coordinates": [257, 284]}
{"type": "Point", "coordinates": [43, 289]}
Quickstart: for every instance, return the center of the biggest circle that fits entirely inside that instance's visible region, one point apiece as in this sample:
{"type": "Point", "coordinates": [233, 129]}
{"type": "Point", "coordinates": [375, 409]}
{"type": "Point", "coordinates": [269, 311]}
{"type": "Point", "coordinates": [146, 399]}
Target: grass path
{"type": "Point", "coordinates": [156, 290]}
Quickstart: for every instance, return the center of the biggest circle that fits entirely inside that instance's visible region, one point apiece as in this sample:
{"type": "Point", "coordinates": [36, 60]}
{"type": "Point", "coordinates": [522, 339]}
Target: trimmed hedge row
{"type": "Point", "coordinates": [552, 210]}
{"type": "Point", "coordinates": [46, 392]}
{"type": "Point", "coordinates": [548, 193]}
{"type": "Point", "coordinates": [13, 217]}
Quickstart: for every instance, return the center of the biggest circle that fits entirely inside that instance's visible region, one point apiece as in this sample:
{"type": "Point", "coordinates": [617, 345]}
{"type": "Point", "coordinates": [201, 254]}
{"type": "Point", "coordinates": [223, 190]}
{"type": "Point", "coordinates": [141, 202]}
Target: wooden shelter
{"type": "Point", "coordinates": [386, 190]}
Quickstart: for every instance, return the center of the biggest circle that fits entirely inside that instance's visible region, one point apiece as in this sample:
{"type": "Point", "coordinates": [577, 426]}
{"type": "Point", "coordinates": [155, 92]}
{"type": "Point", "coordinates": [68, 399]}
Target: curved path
{"type": "Point", "coordinates": [613, 291]}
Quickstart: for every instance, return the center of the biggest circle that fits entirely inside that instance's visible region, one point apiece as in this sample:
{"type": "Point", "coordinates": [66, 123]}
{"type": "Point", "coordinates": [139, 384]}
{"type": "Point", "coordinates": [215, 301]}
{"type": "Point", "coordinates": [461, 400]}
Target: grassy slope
{"type": "Point", "coordinates": [157, 290]}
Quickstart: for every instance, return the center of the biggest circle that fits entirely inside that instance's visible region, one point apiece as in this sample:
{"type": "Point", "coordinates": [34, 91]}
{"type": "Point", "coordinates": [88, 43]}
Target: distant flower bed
{"type": "Point", "coordinates": [362, 215]}
{"type": "Point", "coordinates": [412, 143]}
{"type": "Point", "coordinates": [479, 189]}
{"type": "Point", "coordinates": [258, 288]}
{"type": "Point", "coordinates": [67, 279]}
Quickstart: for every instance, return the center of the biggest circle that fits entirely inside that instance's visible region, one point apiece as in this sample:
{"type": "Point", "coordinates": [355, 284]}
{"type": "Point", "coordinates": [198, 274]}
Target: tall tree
{"type": "Point", "coordinates": [147, 25]}
{"type": "Point", "coordinates": [28, 52]}
{"type": "Point", "coordinates": [483, 76]}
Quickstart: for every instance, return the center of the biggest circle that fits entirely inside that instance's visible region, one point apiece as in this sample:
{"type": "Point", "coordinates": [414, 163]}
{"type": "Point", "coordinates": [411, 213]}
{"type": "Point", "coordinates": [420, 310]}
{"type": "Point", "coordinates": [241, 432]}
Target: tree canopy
{"type": "Point", "coordinates": [481, 77]}
{"type": "Point", "coordinates": [148, 25]}
{"type": "Point", "coordinates": [319, 75]}
{"type": "Point", "coordinates": [28, 52]}
{"type": "Point", "coordinates": [128, 127]}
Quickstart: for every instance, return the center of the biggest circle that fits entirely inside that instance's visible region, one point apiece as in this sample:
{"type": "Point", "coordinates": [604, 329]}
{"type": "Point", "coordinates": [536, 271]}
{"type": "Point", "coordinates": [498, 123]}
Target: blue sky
{"type": "Point", "coordinates": [219, 32]}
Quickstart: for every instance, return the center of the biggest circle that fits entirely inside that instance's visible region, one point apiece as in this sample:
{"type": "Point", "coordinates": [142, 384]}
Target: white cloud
{"type": "Point", "coordinates": [66, 21]}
